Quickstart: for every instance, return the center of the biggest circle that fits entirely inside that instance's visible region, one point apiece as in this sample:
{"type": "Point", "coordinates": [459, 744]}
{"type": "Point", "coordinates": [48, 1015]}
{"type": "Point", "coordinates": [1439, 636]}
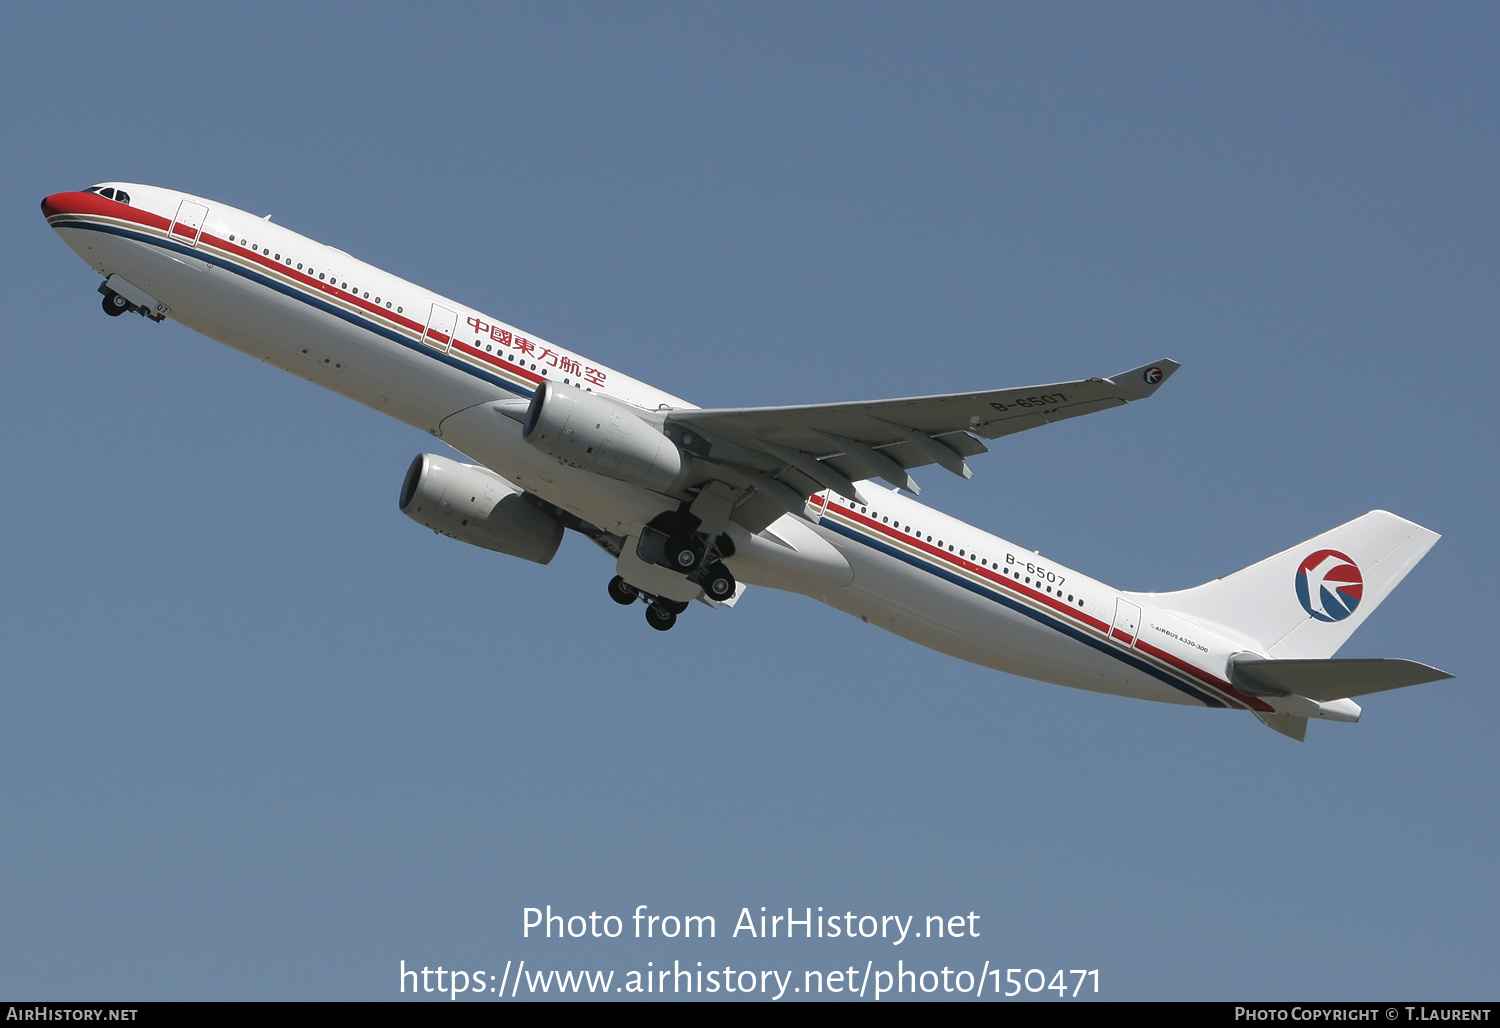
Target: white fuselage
{"type": "Point", "coordinates": [440, 365]}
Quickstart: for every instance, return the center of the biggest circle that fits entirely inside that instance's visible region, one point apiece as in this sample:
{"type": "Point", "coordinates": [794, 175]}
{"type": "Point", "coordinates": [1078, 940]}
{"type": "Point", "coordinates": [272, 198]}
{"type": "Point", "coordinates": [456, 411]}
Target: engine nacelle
{"type": "Point", "coordinates": [474, 505]}
{"type": "Point", "coordinates": [596, 434]}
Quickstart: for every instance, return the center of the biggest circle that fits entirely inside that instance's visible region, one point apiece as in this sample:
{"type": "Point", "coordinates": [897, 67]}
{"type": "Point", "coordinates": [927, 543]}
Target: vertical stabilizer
{"type": "Point", "coordinates": [1305, 602]}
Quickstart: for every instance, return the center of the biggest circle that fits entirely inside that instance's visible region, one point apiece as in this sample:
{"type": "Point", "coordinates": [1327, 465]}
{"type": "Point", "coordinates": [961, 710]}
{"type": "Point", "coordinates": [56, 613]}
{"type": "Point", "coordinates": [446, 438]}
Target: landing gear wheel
{"type": "Point", "coordinates": [660, 618]}
{"type": "Point", "coordinates": [718, 583]}
{"type": "Point", "coordinates": [622, 592]}
{"type": "Point", "coordinates": [684, 553]}
{"type": "Point", "coordinates": [674, 606]}
{"type": "Point", "coordinates": [115, 304]}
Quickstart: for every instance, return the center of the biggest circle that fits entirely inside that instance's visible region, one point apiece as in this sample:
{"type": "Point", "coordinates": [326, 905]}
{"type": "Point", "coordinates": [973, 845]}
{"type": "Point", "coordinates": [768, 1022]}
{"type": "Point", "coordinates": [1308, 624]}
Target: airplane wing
{"type": "Point", "coordinates": [833, 445]}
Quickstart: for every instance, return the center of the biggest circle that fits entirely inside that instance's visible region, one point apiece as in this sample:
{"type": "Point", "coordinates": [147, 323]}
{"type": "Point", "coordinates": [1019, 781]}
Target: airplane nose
{"type": "Point", "coordinates": [69, 202]}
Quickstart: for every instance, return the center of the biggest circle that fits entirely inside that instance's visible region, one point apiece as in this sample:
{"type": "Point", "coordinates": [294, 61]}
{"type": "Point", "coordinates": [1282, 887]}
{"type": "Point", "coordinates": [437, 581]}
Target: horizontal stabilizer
{"type": "Point", "coordinates": [1289, 725]}
{"type": "Point", "coordinates": [1326, 680]}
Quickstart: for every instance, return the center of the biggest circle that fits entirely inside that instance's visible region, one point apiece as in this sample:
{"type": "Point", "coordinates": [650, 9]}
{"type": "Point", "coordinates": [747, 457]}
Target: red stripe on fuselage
{"type": "Point", "coordinates": [87, 204]}
{"type": "Point", "coordinates": [494, 358]}
{"type": "Point", "coordinates": [990, 575]}
{"type": "Point", "coordinates": [1204, 677]}
{"type": "Point", "coordinates": [1253, 702]}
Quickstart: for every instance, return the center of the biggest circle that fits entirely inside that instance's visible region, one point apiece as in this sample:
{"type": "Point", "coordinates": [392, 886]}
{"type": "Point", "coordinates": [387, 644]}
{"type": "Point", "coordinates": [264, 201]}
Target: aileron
{"type": "Point", "coordinates": [886, 438]}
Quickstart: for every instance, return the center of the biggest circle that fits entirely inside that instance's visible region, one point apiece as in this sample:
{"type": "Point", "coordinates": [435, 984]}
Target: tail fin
{"type": "Point", "coordinates": [1305, 602]}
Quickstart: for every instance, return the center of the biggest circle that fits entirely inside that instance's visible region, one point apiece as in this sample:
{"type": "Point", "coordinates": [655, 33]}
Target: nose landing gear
{"type": "Point", "coordinates": [121, 296]}
{"type": "Point", "coordinates": [115, 304]}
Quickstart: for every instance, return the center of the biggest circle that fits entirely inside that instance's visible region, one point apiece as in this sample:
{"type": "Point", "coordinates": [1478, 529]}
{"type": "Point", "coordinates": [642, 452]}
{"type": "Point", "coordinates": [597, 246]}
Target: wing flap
{"type": "Point", "coordinates": [886, 438]}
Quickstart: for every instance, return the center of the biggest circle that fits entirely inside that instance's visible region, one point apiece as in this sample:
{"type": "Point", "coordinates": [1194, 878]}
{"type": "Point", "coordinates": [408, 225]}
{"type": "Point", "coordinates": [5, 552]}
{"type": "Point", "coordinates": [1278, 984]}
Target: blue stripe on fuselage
{"type": "Point", "coordinates": [1021, 608]}
{"type": "Point", "coordinates": [356, 320]}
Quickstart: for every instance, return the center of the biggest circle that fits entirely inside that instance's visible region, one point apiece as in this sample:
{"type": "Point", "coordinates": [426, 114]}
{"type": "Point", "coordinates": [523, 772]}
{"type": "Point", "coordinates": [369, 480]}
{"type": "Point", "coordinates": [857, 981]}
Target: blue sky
{"type": "Point", "coordinates": [262, 737]}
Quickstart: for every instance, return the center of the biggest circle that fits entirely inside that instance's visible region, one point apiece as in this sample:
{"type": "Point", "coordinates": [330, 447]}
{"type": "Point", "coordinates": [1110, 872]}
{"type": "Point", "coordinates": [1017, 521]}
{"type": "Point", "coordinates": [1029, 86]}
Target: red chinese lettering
{"type": "Point", "coordinates": [524, 345]}
{"type": "Point", "coordinates": [478, 326]}
{"type": "Point", "coordinates": [568, 365]}
{"type": "Point", "coordinates": [499, 335]}
{"type": "Point", "coordinates": [594, 375]}
{"type": "Point", "coordinates": [548, 356]}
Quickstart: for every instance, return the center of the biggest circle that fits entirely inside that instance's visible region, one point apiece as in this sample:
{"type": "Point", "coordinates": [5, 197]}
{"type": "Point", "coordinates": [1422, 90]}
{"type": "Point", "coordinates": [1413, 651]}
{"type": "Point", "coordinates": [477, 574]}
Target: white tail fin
{"type": "Point", "coordinates": [1305, 602]}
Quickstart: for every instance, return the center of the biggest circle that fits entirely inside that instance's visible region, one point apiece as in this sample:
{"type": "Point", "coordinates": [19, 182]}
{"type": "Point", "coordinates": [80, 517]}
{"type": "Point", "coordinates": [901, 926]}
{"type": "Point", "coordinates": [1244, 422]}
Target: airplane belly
{"type": "Point", "coordinates": [976, 626]}
{"type": "Point", "coordinates": [289, 333]}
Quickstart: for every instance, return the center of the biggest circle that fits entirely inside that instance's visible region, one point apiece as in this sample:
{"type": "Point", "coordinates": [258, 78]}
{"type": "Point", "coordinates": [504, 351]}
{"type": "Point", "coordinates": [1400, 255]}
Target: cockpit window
{"type": "Point", "coordinates": [110, 193]}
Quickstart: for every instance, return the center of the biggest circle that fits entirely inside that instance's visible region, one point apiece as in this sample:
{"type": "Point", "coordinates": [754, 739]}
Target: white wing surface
{"type": "Point", "coordinates": [787, 453]}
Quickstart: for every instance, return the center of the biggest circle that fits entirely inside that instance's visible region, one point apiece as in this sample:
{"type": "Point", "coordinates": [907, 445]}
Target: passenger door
{"type": "Point", "coordinates": [1127, 624]}
{"type": "Point", "coordinates": [441, 324]}
{"type": "Point", "coordinates": [188, 225]}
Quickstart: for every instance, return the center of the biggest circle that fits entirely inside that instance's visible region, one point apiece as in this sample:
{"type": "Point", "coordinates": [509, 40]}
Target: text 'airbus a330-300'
{"type": "Point", "coordinates": [694, 503]}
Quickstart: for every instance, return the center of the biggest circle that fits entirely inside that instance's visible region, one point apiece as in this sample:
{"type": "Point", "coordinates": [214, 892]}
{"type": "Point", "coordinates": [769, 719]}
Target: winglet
{"type": "Point", "coordinates": [1144, 380]}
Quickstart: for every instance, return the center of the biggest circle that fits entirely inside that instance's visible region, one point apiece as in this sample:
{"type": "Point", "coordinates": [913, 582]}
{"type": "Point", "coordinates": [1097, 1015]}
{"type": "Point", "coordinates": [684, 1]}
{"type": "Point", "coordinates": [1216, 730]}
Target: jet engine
{"type": "Point", "coordinates": [474, 505]}
{"type": "Point", "coordinates": [597, 434]}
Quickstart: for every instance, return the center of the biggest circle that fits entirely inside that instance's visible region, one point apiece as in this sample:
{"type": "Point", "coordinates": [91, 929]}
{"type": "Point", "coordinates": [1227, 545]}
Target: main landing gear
{"type": "Point", "coordinates": [661, 613]}
{"type": "Point", "coordinates": [622, 592]}
{"type": "Point", "coordinates": [675, 540]}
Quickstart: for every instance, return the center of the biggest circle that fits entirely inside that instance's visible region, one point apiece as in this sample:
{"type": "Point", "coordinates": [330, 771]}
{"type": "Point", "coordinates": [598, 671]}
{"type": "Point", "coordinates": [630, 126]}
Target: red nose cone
{"type": "Point", "coordinates": [75, 202]}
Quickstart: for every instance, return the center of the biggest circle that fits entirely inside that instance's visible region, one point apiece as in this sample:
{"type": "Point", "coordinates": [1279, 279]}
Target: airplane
{"type": "Point", "coordinates": [693, 504]}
